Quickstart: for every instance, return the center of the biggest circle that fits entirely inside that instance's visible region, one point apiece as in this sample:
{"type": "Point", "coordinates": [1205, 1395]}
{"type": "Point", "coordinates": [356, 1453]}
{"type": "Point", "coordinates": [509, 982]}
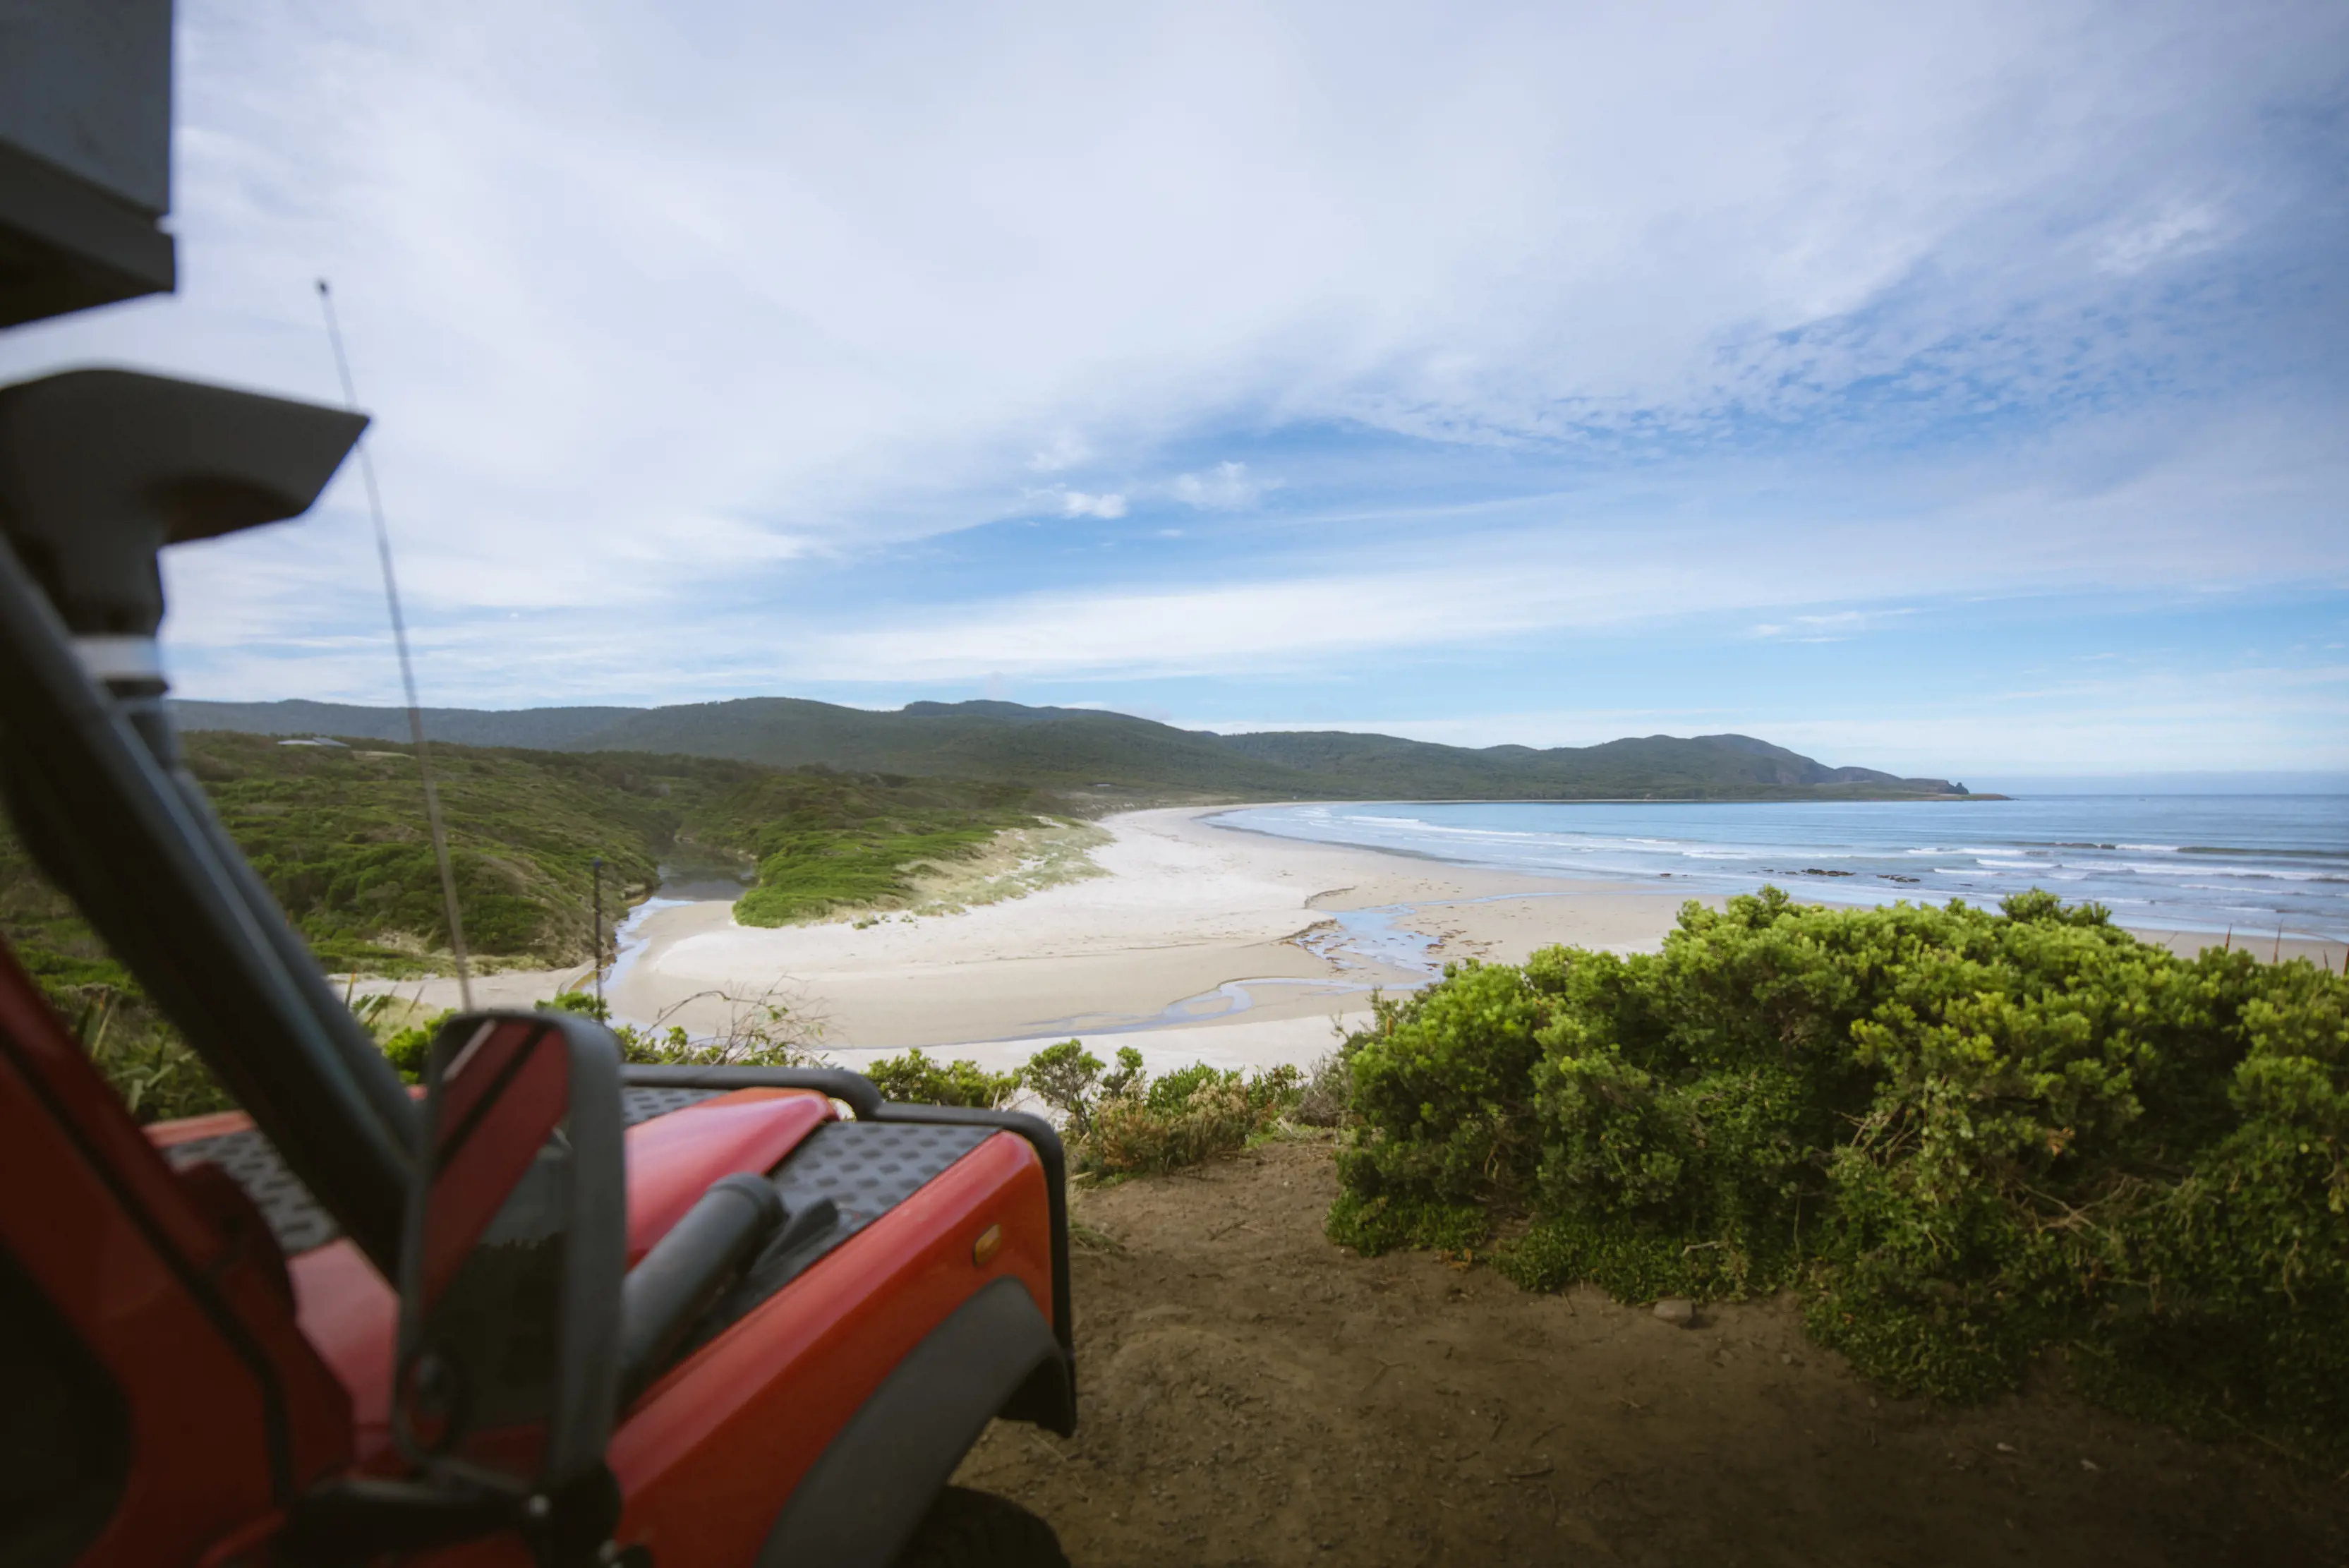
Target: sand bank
{"type": "Point", "coordinates": [1201, 943]}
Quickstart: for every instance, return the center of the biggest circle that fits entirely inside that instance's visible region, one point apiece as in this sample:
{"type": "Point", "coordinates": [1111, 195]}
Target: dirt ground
{"type": "Point", "coordinates": [1251, 1394]}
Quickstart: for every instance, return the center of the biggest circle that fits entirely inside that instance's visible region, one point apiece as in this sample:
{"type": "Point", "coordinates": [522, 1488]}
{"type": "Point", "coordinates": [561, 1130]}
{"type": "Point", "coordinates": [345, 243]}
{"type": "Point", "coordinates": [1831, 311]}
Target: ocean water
{"type": "Point", "coordinates": [2251, 864]}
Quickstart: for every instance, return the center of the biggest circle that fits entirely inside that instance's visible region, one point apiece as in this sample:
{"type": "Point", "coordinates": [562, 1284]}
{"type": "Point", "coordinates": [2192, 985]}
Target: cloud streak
{"type": "Point", "coordinates": [796, 343]}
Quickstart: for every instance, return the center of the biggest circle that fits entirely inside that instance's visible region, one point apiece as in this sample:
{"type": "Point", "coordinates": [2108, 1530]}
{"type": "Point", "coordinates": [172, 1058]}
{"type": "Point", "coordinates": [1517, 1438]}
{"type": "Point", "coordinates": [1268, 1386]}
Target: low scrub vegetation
{"type": "Point", "coordinates": [764, 1031]}
{"type": "Point", "coordinates": [1120, 1121]}
{"type": "Point", "coordinates": [810, 874]}
{"type": "Point", "coordinates": [338, 835]}
{"type": "Point", "coordinates": [1970, 1139]}
{"type": "Point", "coordinates": [914, 1077]}
{"type": "Point", "coordinates": [159, 1075]}
{"type": "Point", "coordinates": [153, 1069]}
{"type": "Point", "coordinates": [826, 842]}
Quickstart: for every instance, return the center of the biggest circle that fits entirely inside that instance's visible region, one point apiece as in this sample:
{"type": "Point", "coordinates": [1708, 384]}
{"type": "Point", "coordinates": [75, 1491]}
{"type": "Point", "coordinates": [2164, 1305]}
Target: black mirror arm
{"type": "Point", "coordinates": [577, 1402]}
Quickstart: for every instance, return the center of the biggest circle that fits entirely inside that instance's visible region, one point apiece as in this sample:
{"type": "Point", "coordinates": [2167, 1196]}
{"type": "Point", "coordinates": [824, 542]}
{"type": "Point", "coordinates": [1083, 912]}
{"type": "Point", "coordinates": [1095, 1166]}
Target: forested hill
{"type": "Point", "coordinates": [1073, 749]}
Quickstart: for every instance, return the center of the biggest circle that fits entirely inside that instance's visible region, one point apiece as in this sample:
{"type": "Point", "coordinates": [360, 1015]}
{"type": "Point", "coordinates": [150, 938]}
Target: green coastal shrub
{"type": "Point", "coordinates": [1443, 1088]}
{"type": "Point", "coordinates": [406, 1049]}
{"type": "Point", "coordinates": [1387, 1223]}
{"type": "Point", "coordinates": [769, 1030]}
{"type": "Point", "coordinates": [1067, 1078]}
{"type": "Point", "coordinates": [1968, 1138]}
{"type": "Point", "coordinates": [914, 1077]}
{"type": "Point", "coordinates": [1119, 1121]}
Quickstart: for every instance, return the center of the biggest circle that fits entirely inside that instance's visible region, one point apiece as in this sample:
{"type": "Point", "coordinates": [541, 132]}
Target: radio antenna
{"type": "Point", "coordinates": [407, 665]}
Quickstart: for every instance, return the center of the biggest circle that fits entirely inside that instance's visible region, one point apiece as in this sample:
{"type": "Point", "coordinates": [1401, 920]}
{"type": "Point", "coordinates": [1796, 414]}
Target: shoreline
{"type": "Point", "coordinates": [1200, 942]}
{"type": "Point", "coordinates": [1817, 887]}
{"type": "Point", "coordinates": [1247, 949]}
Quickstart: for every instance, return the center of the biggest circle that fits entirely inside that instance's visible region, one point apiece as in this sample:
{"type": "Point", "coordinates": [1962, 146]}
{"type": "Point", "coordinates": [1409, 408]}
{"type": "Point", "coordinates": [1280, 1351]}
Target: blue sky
{"type": "Point", "coordinates": [1961, 393]}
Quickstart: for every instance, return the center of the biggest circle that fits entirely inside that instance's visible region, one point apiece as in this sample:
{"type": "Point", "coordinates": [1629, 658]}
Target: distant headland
{"type": "Point", "coordinates": [1113, 756]}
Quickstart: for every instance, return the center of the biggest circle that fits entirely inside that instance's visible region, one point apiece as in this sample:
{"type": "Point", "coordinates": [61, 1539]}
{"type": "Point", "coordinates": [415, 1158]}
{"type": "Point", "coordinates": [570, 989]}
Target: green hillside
{"type": "Point", "coordinates": [1071, 750]}
{"type": "Point", "coordinates": [338, 834]}
{"type": "Point", "coordinates": [1703, 767]}
{"type": "Point", "coordinates": [539, 729]}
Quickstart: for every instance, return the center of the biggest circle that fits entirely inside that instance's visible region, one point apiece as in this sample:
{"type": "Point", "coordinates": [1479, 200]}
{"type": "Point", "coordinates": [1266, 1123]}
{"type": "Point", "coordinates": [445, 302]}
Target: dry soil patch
{"type": "Point", "coordinates": [1251, 1394]}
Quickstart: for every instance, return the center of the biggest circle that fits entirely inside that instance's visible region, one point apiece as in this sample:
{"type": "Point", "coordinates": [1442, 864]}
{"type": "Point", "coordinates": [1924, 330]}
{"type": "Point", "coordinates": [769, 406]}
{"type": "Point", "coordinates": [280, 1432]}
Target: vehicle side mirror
{"type": "Point", "coordinates": [511, 1267]}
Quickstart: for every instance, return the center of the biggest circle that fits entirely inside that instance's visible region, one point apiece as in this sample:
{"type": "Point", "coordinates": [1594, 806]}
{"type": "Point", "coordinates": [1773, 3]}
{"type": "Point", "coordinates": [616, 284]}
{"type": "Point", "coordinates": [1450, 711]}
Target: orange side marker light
{"type": "Point", "coordinates": [990, 1242]}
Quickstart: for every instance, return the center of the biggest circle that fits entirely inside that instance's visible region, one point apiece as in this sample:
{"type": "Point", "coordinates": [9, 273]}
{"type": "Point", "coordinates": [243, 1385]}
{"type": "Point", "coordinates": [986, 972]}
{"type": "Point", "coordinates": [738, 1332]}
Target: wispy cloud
{"type": "Point", "coordinates": [2178, 230]}
{"type": "Point", "coordinates": [822, 327]}
{"type": "Point", "coordinates": [1834, 626]}
{"type": "Point", "coordinates": [1227, 487]}
{"type": "Point", "coordinates": [1290, 622]}
{"type": "Point", "coordinates": [1063, 452]}
{"type": "Point", "coordinates": [1077, 504]}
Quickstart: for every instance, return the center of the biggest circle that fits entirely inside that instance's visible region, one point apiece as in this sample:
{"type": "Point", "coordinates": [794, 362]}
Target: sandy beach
{"type": "Point", "coordinates": [1197, 944]}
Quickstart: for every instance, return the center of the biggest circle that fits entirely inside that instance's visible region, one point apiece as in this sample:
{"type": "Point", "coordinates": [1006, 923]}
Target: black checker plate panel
{"type": "Point", "coordinates": [644, 1105]}
{"type": "Point", "coordinates": [866, 1168]}
{"type": "Point", "coordinates": [296, 1218]}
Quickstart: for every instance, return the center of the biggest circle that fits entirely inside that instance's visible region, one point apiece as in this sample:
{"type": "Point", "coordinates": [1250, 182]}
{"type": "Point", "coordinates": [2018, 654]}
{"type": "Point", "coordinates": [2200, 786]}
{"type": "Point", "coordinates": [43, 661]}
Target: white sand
{"type": "Point", "coordinates": [1157, 954]}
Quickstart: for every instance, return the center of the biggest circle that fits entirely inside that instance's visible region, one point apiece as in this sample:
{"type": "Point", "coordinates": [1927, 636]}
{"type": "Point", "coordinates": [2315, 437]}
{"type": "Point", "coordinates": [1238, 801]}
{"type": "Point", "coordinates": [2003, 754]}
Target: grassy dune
{"type": "Point", "coordinates": [338, 834]}
{"type": "Point", "coordinates": [827, 844]}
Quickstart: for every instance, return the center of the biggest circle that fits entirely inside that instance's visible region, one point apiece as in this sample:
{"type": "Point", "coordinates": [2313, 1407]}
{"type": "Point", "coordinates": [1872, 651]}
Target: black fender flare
{"type": "Point", "coordinates": [859, 1502]}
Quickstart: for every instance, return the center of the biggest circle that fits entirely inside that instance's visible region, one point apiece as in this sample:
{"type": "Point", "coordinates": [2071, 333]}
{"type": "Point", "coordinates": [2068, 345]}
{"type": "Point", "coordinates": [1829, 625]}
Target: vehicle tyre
{"type": "Point", "coordinates": [967, 1529]}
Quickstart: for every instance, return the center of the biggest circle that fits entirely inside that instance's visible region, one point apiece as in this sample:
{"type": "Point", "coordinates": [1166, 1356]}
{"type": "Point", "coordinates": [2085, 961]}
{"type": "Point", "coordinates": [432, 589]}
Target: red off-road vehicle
{"type": "Point", "coordinates": [557, 1309]}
